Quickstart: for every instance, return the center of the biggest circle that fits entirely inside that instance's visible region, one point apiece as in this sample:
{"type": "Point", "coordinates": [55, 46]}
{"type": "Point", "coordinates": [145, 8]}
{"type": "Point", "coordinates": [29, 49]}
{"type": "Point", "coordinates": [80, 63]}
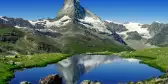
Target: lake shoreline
{"type": "Point", "coordinates": [54, 58]}
{"type": "Point", "coordinates": [8, 74]}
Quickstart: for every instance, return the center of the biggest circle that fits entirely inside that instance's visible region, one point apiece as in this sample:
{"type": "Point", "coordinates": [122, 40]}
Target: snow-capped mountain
{"type": "Point", "coordinates": [140, 36]}
{"type": "Point", "coordinates": [74, 10]}
{"type": "Point", "coordinates": [18, 22]}
{"type": "Point", "coordinates": [74, 30]}
{"type": "Point", "coordinates": [131, 27]}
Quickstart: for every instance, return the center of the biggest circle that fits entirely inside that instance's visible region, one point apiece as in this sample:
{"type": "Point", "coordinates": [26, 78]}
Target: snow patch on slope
{"type": "Point", "coordinates": [20, 27]}
{"type": "Point", "coordinates": [109, 21]}
{"type": "Point", "coordinates": [136, 27]}
{"type": "Point", "coordinates": [58, 23]}
{"type": "Point", "coordinates": [1, 17]}
{"type": "Point", "coordinates": [46, 30]}
{"type": "Point", "coordinates": [62, 22]}
{"type": "Point", "coordinates": [33, 22]}
{"type": "Point", "coordinates": [94, 23]}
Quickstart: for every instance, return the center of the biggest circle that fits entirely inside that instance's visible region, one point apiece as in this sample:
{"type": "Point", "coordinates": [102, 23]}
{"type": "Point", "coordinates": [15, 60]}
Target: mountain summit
{"type": "Point", "coordinates": [73, 9]}
{"type": "Point", "coordinates": [79, 14]}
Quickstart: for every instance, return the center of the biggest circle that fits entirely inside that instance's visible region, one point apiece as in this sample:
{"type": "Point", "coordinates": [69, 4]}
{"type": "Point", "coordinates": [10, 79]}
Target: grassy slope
{"type": "Point", "coordinates": [156, 57]}
{"type": "Point", "coordinates": [6, 70]}
{"type": "Point", "coordinates": [29, 43]}
{"type": "Point", "coordinates": [25, 42]}
{"type": "Point", "coordinates": [79, 45]}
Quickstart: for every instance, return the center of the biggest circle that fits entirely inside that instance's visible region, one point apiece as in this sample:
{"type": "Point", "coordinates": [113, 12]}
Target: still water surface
{"type": "Point", "coordinates": [106, 69]}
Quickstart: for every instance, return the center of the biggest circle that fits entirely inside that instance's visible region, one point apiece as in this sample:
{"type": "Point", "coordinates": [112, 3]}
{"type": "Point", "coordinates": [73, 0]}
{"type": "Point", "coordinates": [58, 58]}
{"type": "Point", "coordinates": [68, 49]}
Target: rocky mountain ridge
{"type": "Point", "coordinates": [140, 36]}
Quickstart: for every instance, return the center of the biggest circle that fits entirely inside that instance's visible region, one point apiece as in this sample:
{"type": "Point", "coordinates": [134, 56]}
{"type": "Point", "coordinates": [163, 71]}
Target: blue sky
{"type": "Point", "coordinates": [143, 11]}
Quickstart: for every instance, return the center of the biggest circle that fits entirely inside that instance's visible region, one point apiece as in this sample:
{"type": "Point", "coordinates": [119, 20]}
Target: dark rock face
{"type": "Point", "coordinates": [72, 8]}
{"type": "Point", "coordinates": [115, 27]}
{"type": "Point", "coordinates": [159, 32]}
{"type": "Point", "coordinates": [25, 82]}
{"type": "Point", "coordinates": [51, 79]}
{"type": "Point", "coordinates": [161, 38]}
{"type": "Point", "coordinates": [156, 27]}
{"type": "Point", "coordinates": [133, 36]}
{"type": "Point", "coordinates": [16, 22]}
{"type": "Point", "coordinates": [145, 26]}
{"type": "Point", "coordinates": [118, 38]}
{"type": "Point", "coordinates": [90, 82]}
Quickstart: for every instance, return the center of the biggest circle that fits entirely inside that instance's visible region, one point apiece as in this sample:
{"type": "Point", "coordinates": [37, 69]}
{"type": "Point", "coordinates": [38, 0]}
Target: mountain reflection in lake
{"type": "Point", "coordinates": [106, 69]}
{"type": "Point", "coordinates": [73, 68]}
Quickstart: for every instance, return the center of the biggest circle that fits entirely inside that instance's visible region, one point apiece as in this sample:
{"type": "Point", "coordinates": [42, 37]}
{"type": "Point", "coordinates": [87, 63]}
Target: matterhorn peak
{"type": "Point", "coordinates": [71, 8]}
{"type": "Point", "coordinates": [79, 14]}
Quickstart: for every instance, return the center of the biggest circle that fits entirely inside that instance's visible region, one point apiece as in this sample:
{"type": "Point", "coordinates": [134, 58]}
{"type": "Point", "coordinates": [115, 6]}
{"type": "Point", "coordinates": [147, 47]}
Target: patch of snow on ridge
{"type": "Point", "coordinates": [1, 17]}
{"type": "Point", "coordinates": [61, 22]}
{"type": "Point", "coordinates": [33, 22]}
{"type": "Point", "coordinates": [95, 23]}
{"type": "Point", "coordinates": [137, 27]}
{"type": "Point", "coordinates": [109, 21]}
{"type": "Point", "coordinates": [46, 30]}
{"type": "Point", "coordinates": [131, 26]}
{"type": "Point", "coordinates": [157, 21]}
{"type": "Point", "coordinates": [20, 27]}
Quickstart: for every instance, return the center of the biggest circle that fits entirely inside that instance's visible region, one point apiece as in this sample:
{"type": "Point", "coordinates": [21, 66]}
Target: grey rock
{"type": "Point", "coordinates": [133, 36]}
{"type": "Point", "coordinates": [161, 38]}
{"type": "Point", "coordinates": [115, 27]}
{"type": "Point", "coordinates": [89, 82]}
{"type": "Point", "coordinates": [25, 82]}
{"type": "Point", "coordinates": [16, 22]}
{"type": "Point", "coordinates": [156, 28]}
{"type": "Point", "coordinates": [51, 79]}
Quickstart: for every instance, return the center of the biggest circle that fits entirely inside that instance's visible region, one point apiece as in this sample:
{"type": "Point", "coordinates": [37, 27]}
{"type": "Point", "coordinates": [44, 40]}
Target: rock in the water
{"type": "Point", "coordinates": [25, 82]}
{"type": "Point", "coordinates": [90, 82]}
{"type": "Point", "coordinates": [51, 79]}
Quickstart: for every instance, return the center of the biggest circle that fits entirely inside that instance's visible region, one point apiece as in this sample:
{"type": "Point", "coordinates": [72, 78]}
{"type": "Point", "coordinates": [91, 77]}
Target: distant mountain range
{"type": "Point", "coordinates": [74, 30]}
{"type": "Point", "coordinates": [140, 36]}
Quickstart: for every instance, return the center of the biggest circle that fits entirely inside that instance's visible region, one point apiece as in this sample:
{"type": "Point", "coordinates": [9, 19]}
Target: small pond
{"type": "Point", "coordinates": [106, 69]}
